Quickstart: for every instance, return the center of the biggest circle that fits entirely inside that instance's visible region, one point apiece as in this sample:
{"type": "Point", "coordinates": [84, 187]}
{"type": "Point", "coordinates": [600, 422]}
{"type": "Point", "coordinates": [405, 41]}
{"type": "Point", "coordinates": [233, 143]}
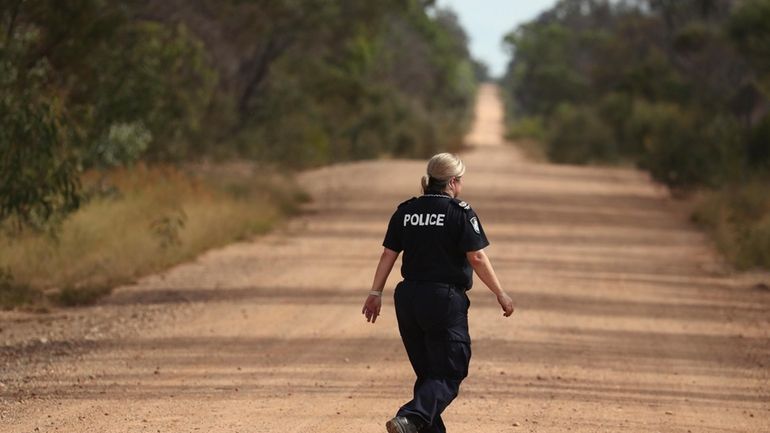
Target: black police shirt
{"type": "Point", "coordinates": [435, 231]}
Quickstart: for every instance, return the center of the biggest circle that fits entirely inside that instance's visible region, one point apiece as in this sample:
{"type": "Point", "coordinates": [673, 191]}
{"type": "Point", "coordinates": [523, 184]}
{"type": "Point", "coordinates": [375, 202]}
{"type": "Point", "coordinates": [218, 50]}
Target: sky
{"type": "Point", "coordinates": [487, 21]}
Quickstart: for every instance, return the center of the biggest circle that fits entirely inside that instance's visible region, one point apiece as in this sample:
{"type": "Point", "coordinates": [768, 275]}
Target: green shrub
{"type": "Point", "coordinates": [684, 149]}
{"type": "Point", "coordinates": [88, 295]}
{"type": "Point", "coordinates": [738, 218]}
{"type": "Point", "coordinates": [161, 217]}
{"type": "Point", "coordinates": [615, 109]}
{"type": "Point", "coordinates": [122, 144]}
{"type": "Point", "coordinates": [749, 30]}
{"type": "Point", "coordinates": [529, 134]}
{"type": "Point", "coordinates": [578, 136]}
{"type": "Point", "coordinates": [755, 245]}
{"type": "Point", "coordinates": [758, 145]}
{"type": "Point", "coordinates": [527, 127]}
{"type": "Point", "coordinates": [38, 171]}
{"type": "Point", "coordinates": [13, 294]}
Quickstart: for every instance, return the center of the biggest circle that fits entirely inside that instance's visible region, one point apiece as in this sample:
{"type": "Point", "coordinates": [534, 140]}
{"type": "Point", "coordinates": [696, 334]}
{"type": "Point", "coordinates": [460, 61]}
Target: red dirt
{"type": "Point", "coordinates": [626, 319]}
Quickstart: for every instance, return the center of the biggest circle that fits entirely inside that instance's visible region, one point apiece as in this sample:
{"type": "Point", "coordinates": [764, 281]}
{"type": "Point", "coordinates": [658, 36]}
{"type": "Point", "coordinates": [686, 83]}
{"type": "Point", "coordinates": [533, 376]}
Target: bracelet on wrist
{"type": "Point", "coordinates": [375, 293]}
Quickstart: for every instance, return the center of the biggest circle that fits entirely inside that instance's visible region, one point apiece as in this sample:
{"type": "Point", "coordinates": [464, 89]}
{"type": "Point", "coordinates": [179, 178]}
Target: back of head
{"type": "Point", "coordinates": [441, 169]}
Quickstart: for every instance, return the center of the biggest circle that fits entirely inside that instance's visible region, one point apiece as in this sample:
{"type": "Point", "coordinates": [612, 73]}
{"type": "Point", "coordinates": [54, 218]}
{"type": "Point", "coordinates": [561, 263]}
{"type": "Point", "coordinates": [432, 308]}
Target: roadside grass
{"type": "Point", "coordinates": [533, 150]}
{"type": "Point", "coordinates": [139, 221]}
{"type": "Point", "coordinates": [738, 219]}
{"type": "Point", "coordinates": [12, 293]}
{"type": "Point", "coordinates": [529, 135]}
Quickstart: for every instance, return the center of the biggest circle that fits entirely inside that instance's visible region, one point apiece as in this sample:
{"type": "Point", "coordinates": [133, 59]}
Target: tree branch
{"type": "Point", "coordinates": [12, 23]}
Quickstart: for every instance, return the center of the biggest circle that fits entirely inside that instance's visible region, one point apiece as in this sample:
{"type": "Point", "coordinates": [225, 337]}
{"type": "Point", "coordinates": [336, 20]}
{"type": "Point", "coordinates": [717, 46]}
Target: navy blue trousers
{"type": "Point", "coordinates": [433, 322]}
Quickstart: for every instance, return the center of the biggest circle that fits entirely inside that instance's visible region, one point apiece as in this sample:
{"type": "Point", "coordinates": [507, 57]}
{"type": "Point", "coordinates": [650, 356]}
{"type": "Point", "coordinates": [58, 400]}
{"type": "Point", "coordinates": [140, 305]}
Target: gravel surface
{"type": "Point", "coordinates": [626, 321]}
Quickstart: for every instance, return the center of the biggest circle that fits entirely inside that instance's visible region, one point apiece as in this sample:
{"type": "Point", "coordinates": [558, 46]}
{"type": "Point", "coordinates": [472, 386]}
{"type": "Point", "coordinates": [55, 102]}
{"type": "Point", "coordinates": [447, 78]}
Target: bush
{"type": "Point", "coordinates": [755, 245]}
{"type": "Point", "coordinates": [758, 145]}
{"type": "Point", "coordinates": [73, 297]}
{"type": "Point", "coordinates": [151, 98]}
{"type": "Point", "coordinates": [615, 109]}
{"type": "Point", "coordinates": [749, 29]}
{"type": "Point", "coordinates": [527, 127]}
{"type": "Point", "coordinates": [577, 136]}
{"type": "Point", "coordinates": [38, 173]}
{"type": "Point", "coordinates": [684, 150]}
{"type": "Point", "coordinates": [529, 134]}
{"type": "Point", "coordinates": [738, 218]}
{"type": "Point", "coordinates": [122, 144]}
{"type": "Point", "coordinates": [161, 217]}
{"type": "Point", "coordinates": [13, 294]}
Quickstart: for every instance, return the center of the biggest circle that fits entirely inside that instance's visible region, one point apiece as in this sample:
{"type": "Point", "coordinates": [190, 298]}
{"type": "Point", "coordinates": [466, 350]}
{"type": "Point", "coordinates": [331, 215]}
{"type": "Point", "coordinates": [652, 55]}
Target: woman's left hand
{"type": "Point", "coordinates": [371, 308]}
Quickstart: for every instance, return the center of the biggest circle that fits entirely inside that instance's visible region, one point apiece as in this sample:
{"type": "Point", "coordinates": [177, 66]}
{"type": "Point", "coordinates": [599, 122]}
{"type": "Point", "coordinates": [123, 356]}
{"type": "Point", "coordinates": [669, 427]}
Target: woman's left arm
{"type": "Point", "coordinates": [373, 303]}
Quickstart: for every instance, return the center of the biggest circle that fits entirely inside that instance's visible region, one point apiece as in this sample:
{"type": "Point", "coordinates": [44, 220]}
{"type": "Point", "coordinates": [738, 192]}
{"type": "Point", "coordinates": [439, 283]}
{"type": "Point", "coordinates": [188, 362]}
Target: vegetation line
{"type": "Point", "coordinates": [679, 88]}
{"type": "Point", "coordinates": [146, 220]}
{"type": "Point", "coordinates": [95, 86]}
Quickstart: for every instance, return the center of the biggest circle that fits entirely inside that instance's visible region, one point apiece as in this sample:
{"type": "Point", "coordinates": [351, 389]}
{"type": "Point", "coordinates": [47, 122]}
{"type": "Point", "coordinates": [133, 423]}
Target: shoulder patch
{"type": "Point", "coordinates": [461, 203]}
{"type": "Point", "coordinates": [408, 201]}
{"type": "Point", "coordinates": [475, 224]}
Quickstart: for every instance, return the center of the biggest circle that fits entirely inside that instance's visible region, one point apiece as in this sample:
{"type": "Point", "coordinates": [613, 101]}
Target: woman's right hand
{"type": "Point", "coordinates": [506, 303]}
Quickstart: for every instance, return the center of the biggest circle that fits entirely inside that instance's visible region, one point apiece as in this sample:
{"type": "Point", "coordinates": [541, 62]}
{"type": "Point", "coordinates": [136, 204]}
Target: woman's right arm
{"type": "Point", "coordinates": [483, 268]}
{"type": "Point", "coordinates": [373, 303]}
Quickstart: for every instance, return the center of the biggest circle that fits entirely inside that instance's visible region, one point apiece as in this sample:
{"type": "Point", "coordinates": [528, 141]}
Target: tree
{"type": "Point", "coordinates": [86, 85]}
{"type": "Point", "coordinates": [38, 173]}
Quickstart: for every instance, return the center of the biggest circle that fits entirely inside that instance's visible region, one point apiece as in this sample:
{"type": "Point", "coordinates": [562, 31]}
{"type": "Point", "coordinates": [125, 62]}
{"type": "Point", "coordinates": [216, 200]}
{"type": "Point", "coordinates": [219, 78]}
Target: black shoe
{"type": "Point", "coordinates": [401, 424]}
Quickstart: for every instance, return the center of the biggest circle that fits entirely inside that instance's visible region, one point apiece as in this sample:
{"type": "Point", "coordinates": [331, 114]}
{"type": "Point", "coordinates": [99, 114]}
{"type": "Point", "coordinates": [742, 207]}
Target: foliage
{"type": "Point", "coordinates": [122, 144]}
{"type": "Point", "coordinates": [758, 145]}
{"type": "Point", "coordinates": [159, 89]}
{"type": "Point", "coordinates": [668, 135]}
{"type": "Point", "coordinates": [91, 88]}
{"type": "Point", "coordinates": [72, 296]}
{"type": "Point", "coordinates": [682, 88]}
{"type": "Point", "coordinates": [86, 85]}
{"type": "Point", "coordinates": [527, 127]}
{"type": "Point", "coordinates": [38, 174]}
{"type": "Point", "coordinates": [108, 83]}
{"type": "Point", "coordinates": [749, 29]}
{"type": "Point", "coordinates": [544, 54]}
{"type": "Point", "coordinates": [680, 85]}
{"type": "Point", "coordinates": [164, 216]}
{"type": "Point", "coordinates": [738, 217]}
{"type": "Point", "coordinates": [12, 294]}
{"type": "Point", "coordinates": [403, 85]}
{"type": "Point", "coordinates": [578, 135]}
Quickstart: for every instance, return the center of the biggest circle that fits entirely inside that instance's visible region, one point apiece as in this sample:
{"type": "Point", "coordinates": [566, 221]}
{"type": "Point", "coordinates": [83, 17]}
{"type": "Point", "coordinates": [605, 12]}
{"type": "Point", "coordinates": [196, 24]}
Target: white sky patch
{"type": "Point", "coordinates": [487, 21]}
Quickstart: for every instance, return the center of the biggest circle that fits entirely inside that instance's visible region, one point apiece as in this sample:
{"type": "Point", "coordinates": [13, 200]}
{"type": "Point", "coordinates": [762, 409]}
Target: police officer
{"type": "Point", "coordinates": [443, 243]}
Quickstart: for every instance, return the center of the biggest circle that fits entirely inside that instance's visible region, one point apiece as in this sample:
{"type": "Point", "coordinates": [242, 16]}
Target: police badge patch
{"type": "Point", "coordinates": [475, 224]}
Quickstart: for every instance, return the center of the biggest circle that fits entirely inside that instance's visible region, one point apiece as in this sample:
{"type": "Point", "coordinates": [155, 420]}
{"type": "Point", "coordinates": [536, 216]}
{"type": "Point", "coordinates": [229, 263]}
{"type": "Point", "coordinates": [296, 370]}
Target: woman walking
{"type": "Point", "coordinates": [443, 243]}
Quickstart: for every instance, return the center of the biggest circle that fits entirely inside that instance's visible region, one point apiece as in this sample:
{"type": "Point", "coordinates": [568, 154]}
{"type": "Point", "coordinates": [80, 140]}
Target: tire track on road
{"type": "Point", "coordinates": [626, 320]}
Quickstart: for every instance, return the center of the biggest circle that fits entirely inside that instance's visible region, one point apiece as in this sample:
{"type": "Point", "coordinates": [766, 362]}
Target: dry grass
{"type": "Point", "coordinates": [533, 150]}
{"type": "Point", "coordinates": [142, 220]}
{"type": "Point", "coordinates": [738, 219]}
{"type": "Point", "coordinates": [529, 135]}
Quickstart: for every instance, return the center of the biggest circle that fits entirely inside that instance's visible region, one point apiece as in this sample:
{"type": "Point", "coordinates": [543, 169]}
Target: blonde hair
{"type": "Point", "coordinates": [441, 169]}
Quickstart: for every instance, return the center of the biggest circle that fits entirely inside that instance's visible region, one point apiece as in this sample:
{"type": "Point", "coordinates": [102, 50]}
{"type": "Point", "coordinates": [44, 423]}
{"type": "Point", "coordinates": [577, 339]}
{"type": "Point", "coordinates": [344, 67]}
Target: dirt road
{"type": "Point", "coordinates": [625, 321]}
